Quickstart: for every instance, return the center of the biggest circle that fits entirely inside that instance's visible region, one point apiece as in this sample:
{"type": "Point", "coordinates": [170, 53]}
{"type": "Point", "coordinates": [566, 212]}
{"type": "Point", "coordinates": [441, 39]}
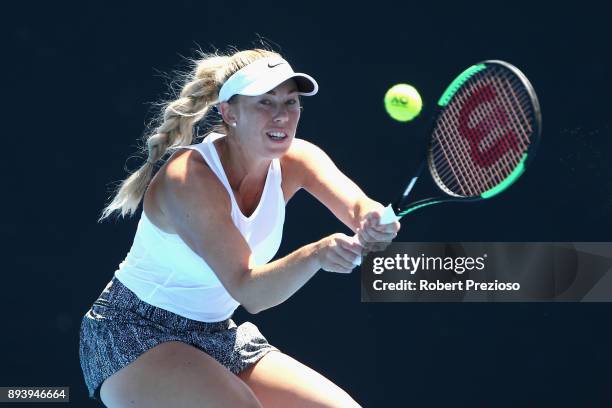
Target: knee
{"type": "Point", "coordinates": [113, 396]}
{"type": "Point", "coordinates": [245, 397]}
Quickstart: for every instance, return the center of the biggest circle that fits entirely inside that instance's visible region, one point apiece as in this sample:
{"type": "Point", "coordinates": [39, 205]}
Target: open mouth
{"type": "Point", "coordinates": [277, 135]}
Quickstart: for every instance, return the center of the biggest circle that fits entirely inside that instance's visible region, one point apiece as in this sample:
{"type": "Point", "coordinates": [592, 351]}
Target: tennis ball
{"type": "Point", "coordinates": [403, 102]}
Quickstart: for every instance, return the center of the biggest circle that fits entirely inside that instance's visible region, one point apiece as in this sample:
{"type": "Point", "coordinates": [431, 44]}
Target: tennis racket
{"type": "Point", "coordinates": [485, 131]}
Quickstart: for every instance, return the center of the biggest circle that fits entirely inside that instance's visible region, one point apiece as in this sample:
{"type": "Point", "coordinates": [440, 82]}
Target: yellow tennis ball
{"type": "Point", "coordinates": [403, 102]}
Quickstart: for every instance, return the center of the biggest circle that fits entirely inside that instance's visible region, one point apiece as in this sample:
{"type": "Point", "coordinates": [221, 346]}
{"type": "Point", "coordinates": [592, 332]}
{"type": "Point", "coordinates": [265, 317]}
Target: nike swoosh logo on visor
{"type": "Point", "coordinates": [275, 65]}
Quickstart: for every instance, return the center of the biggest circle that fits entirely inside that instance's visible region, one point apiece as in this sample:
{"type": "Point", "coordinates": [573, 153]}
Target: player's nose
{"type": "Point", "coordinates": [281, 114]}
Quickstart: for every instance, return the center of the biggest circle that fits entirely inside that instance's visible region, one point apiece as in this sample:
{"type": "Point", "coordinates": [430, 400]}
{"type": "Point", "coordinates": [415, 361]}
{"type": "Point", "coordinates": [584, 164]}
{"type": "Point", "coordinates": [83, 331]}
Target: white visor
{"type": "Point", "coordinates": [263, 75]}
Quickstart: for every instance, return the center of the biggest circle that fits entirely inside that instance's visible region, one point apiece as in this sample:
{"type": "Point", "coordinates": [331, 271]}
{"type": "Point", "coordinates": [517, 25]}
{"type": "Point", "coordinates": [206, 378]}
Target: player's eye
{"type": "Point", "coordinates": [293, 104]}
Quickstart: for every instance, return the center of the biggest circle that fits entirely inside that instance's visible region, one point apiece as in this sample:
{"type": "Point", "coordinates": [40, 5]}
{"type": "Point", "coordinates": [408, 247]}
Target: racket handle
{"type": "Point", "coordinates": [388, 216]}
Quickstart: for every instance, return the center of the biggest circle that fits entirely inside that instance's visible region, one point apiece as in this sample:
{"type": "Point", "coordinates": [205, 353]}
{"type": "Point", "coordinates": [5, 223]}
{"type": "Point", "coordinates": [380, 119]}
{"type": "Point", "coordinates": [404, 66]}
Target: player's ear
{"type": "Point", "coordinates": [227, 113]}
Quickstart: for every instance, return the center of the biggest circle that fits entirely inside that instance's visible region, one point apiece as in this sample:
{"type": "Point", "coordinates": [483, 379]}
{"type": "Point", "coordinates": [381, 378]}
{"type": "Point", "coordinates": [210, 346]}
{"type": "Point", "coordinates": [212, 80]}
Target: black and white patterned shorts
{"type": "Point", "coordinates": [119, 327]}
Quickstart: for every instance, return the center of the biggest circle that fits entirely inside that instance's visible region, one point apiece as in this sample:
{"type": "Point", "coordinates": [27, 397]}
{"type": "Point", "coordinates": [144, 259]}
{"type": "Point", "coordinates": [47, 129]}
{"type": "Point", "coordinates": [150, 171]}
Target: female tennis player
{"type": "Point", "coordinates": [160, 334]}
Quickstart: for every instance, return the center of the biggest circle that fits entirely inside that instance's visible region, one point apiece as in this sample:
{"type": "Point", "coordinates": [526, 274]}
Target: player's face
{"type": "Point", "coordinates": [267, 123]}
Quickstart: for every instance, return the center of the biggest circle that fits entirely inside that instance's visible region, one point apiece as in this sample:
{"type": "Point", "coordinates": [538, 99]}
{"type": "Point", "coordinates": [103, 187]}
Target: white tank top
{"type": "Point", "coordinates": [164, 272]}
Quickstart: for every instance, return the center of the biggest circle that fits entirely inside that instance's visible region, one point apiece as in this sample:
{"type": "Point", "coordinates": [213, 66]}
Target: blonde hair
{"type": "Point", "coordinates": [200, 90]}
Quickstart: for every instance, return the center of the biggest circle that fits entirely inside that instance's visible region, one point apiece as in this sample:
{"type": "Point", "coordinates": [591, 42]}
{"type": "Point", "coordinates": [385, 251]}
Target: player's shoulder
{"type": "Point", "coordinates": [187, 165]}
{"type": "Point", "coordinates": [187, 174]}
{"type": "Point", "coordinates": [302, 163]}
{"type": "Point", "coordinates": [302, 151]}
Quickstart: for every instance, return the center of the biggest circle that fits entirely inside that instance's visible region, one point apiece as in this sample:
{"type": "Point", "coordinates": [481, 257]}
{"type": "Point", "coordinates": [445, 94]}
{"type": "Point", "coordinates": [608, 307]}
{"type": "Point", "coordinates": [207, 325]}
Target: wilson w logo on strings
{"type": "Point", "coordinates": [495, 119]}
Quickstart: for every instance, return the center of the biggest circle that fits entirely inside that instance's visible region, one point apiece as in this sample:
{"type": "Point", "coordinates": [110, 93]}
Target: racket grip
{"type": "Point", "coordinates": [388, 216]}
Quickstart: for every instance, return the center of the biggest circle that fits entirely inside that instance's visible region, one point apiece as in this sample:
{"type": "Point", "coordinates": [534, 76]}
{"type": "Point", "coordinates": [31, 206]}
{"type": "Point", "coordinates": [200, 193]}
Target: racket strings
{"type": "Point", "coordinates": [456, 154]}
{"type": "Point", "coordinates": [505, 161]}
{"type": "Point", "coordinates": [481, 136]}
{"type": "Point", "coordinates": [510, 160]}
{"type": "Point", "coordinates": [457, 174]}
{"type": "Point", "coordinates": [460, 154]}
{"type": "Point", "coordinates": [456, 157]}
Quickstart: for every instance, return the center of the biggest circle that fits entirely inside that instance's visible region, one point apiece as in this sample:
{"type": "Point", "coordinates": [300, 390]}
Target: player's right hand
{"type": "Point", "coordinates": [338, 253]}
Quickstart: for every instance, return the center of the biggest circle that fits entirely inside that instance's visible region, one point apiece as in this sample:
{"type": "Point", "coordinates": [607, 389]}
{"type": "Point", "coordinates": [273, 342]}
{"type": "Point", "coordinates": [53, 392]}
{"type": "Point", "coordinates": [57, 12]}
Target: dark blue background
{"type": "Point", "coordinates": [79, 80]}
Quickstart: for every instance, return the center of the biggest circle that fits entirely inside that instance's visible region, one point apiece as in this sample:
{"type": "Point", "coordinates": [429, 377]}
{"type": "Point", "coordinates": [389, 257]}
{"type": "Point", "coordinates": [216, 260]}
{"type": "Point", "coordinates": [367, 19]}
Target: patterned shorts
{"type": "Point", "coordinates": [119, 327]}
